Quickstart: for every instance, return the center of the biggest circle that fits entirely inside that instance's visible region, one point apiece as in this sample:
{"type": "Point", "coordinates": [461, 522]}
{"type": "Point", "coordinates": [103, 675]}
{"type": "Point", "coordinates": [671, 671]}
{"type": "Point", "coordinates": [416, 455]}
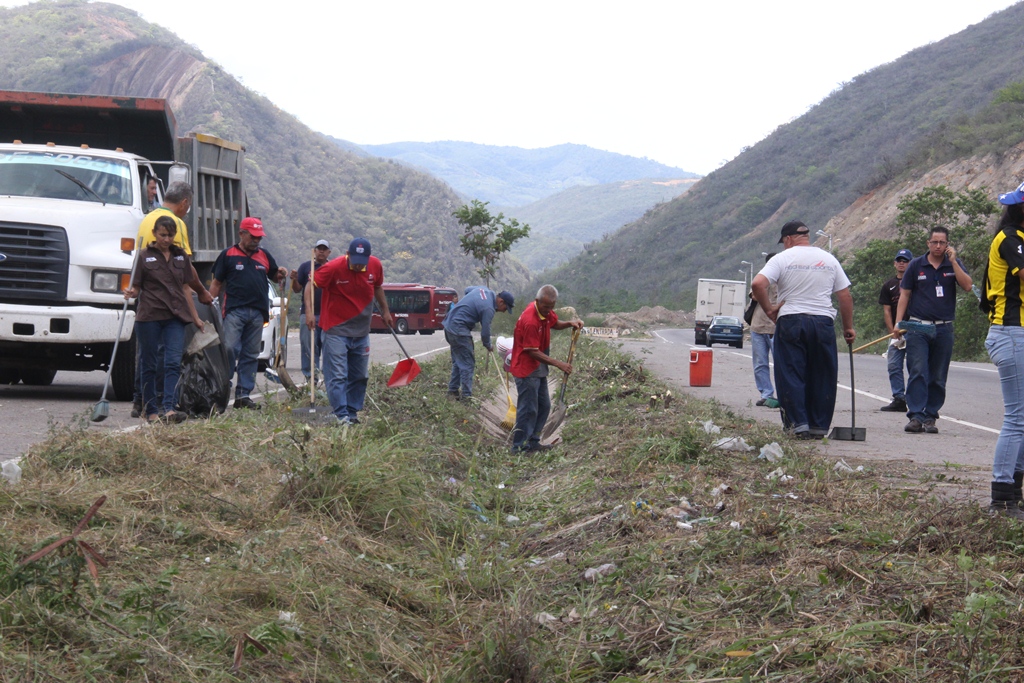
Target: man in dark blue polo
{"type": "Point", "coordinates": [242, 271]}
{"type": "Point", "coordinates": [928, 295]}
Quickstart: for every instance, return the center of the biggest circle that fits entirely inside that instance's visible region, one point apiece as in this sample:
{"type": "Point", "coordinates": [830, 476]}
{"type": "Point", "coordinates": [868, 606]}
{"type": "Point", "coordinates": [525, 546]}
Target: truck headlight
{"type": "Point", "coordinates": [106, 281]}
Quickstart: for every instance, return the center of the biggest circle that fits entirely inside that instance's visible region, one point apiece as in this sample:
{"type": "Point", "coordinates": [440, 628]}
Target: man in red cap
{"type": "Point", "coordinates": [242, 272]}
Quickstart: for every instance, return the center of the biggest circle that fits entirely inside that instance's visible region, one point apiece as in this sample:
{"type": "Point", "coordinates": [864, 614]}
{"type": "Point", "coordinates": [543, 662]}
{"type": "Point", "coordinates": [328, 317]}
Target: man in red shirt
{"type": "Point", "coordinates": [350, 285]}
{"type": "Point", "coordinates": [530, 360]}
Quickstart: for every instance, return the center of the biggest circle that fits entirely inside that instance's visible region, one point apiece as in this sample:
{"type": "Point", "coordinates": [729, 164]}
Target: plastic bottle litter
{"type": "Point", "coordinates": [11, 471]}
{"type": "Point", "coordinates": [594, 573]}
{"type": "Point", "coordinates": [841, 466]}
{"type": "Point", "coordinates": [772, 452]}
{"type": "Point", "coordinates": [684, 525]}
{"type": "Point", "coordinates": [733, 443]}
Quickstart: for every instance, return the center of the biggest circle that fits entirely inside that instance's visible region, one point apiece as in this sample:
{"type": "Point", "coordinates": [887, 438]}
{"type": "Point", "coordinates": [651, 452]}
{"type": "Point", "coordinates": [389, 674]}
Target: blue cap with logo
{"type": "Point", "coordinates": [359, 251]}
{"type": "Point", "coordinates": [904, 254]}
{"type": "Point", "coordinates": [510, 301]}
{"type": "Point", "coordinates": [1015, 197]}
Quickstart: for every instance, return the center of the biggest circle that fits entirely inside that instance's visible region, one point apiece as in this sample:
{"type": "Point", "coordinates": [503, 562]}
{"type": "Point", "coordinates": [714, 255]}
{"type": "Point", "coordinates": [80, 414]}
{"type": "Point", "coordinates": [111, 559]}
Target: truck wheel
{"type": "Point", "coordinates": [739, 345]}
{"type": "Point", "coordinates": [9, 376]}
{"type": "Point", "coordinates": [38, 378]}
{"type": "Point", "coordinates": [708, 342]}
{"type": "Point", "coordinates": [122, 377]}
{"type": "Point", "coordinates": [402, 326]}
{"type": "Point", "coordinates": [426, 331]}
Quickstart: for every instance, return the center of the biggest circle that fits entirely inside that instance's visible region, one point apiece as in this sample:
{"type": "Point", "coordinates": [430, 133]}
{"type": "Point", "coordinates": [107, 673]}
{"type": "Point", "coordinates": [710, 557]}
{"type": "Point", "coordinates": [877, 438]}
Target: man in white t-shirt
{"type": "Point", "coordinates": [806, 362]}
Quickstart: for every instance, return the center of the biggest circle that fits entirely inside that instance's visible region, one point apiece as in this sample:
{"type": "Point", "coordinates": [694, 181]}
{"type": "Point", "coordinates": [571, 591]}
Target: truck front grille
{"type": "Point", "coordinates": [33, 263]}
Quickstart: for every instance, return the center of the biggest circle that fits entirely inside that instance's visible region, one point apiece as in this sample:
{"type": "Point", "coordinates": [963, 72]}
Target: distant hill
{"type": "Point", "coordinates": [303, 185]}
{"type": "Point", "coordinates": [563, 223]}
{"type": "Point", "coordinates": [513, 176]}
{"type": "Point", "coordinates": [879, 127]}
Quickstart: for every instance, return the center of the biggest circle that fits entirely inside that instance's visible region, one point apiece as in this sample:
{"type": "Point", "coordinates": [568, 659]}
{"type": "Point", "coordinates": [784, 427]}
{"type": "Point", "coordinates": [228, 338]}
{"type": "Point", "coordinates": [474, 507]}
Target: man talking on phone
{"type": "Point", "coordinates": [928, 296]}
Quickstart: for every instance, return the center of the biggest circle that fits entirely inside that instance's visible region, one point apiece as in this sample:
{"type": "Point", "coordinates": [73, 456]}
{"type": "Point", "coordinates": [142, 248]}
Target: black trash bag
{"type": "Point", "coordinates": [205, 383]}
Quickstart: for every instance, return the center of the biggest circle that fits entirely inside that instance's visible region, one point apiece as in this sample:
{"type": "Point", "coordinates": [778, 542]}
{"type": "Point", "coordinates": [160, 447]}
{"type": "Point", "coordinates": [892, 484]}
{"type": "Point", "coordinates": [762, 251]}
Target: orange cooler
{"type": "Point", "coordinates": [700, 368]}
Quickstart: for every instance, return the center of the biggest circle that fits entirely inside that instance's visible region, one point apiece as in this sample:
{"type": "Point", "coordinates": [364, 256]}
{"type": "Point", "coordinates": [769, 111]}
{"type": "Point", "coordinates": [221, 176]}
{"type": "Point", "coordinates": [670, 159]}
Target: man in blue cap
{"type": "Point", "coordinates": [889, 299]}
{"type": "Point", "coordinates": [477, 305]}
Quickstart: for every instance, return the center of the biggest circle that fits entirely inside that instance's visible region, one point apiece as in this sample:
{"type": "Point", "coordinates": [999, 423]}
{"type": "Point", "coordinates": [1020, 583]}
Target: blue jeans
{"type": "Point", "coordinates": [761, 348]}
{"type": "Point", "coordinates": [243, 328]}
{"type": "Point", "coordinates": [894, 360]}
{"type": "Point", "coordinates": [168, 337]}
{"type": "Point", "coordinates": [532, 411]}
{"type": "Point", "coordinates": [927, 367]}
{"type": "Point", "coordinates": [1005, 347]}
{"type": "Point", "coordinates": [137, 398]}
{"type": "Point", "coordinates": [304, 339]}
{"type": "Point", "coordinates": [463, 363]}
{"type": "Point", "coordinates": [346, 371]}
{"type": "Point", "coordinates": [806, 370]}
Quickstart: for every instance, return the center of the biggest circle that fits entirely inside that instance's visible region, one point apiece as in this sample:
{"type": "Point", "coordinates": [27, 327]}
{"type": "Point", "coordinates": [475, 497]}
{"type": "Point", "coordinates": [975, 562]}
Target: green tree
{"type": "Point", "coordinates": [965, 213]}
{"type": "Point", "coordinates": [487, 237]}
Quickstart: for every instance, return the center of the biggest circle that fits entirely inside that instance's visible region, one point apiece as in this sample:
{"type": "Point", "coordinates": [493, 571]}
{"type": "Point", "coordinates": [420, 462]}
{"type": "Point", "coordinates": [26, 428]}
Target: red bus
{"type": "Point", "coordinates": [415, 307]}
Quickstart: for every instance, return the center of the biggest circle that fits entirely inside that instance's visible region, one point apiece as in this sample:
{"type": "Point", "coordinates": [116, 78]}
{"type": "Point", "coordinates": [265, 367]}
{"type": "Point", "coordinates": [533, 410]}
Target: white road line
{"type": "Point", "coordinates": [661, 338]}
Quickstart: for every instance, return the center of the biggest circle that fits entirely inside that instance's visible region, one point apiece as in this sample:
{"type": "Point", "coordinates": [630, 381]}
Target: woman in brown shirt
{"type": "Point", "coordinates": [164, 308]}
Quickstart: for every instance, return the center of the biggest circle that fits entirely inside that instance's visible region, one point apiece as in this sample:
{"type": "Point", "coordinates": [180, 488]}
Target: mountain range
{"type": "Point", "coordinates": [513, 176]}
{"type": "Point", "coordinates": [887, 126]}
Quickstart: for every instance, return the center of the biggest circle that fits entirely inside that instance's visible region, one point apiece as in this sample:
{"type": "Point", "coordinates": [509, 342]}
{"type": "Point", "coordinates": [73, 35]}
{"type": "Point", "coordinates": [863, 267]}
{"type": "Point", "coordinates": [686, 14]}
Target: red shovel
{"type": "Point", "coordinates": [406, 370]}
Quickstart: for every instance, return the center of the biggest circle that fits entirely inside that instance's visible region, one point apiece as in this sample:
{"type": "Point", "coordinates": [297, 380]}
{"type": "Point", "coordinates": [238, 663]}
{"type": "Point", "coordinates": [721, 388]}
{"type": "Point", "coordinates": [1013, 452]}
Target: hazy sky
{"type": "Point", "coordinates": [685, 83]}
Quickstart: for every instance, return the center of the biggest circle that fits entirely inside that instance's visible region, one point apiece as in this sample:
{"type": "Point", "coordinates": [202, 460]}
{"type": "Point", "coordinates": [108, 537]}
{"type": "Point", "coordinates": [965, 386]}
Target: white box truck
{"type": "Point", "coordinates": [717, 297]}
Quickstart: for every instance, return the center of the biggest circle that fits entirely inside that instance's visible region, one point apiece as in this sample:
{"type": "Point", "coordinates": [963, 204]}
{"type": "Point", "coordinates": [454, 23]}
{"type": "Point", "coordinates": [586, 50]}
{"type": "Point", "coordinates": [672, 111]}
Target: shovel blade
{"type": "Point", "coordinates": [554, 421]}
{"type": "Point", "coordinates": [405, 372]}
{"type": "Point", "coordinates": [101, 411]}
{"type": "Point", "coordinates": [848, 434]}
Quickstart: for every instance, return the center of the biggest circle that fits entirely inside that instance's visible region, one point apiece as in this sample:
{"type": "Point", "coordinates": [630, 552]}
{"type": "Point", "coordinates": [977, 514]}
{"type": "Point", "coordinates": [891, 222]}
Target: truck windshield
{"type": "Point", "coordinates": [33, 174]}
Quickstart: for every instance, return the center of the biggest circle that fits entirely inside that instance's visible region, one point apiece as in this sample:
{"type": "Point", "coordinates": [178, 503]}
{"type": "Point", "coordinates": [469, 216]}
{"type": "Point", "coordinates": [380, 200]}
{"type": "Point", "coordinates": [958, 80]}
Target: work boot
{"type": "Point", "coordinates": [1004, 500]}
{"type": "Point", "coordinates": [930, 428]}
{"type": "Point", "coordinates": [1018, 484]}
{"type": "Point", "coordinates": [914, 427]}
{"type": "Point", "coordinates": [137, 408]}
{"type": "Point", "coordinates": [898, 405]}
{"type": "Point", "coordinates": [246, 403]}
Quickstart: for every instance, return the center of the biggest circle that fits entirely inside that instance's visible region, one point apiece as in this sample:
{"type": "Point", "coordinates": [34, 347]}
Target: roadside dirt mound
{"type": "Point", "coordinates": [648, 316]}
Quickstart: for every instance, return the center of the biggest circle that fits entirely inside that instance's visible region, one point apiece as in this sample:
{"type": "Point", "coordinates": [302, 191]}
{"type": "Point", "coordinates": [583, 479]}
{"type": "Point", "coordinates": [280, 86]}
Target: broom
{"type": "Point", "coordinates": [510, 415]}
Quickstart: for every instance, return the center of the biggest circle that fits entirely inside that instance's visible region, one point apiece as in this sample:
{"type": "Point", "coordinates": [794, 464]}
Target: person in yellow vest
{"type": "Point", "coordinates": [1001, 300]}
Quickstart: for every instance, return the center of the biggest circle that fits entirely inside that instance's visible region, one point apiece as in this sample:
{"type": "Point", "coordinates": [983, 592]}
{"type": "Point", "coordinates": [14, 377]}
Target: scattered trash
{"type": "Point", "coordinates": [719, 508]}
{"type": "Point", "coordinates": [536, 561]}
{"type": "Point", "coordinates": [841, 466]}
{"type": "Point", "coordinates": [687, 506]}
{"type": "Point", "coordinates": [771, 452]}
{"type": "Point", "coordinates": [461, 561]}
{"type": "Point", "coordinates": [779, 475]}
{"type": "Point", "coordinates": [289, 621]}
{"type": "Point", "coordinates": [511, 519]}
{"type": "Point", "coordinates": [285, 478]}
{"type": "Point", "coordinates": [676, 512]}
{"type": "Point", "coordinates": [557, 556]}
{"type": "Point", "coordinates": [501, 486]}
{"type": "Point", "coordinates": [721, 490]}
{"type": "Point", "coordinates": [734, 524]}
{"type": "Point", "coordinates": [545, 618]}
{"type": "Point", "coordinates": [711, 428]}
{"type": "Point", "coordinates": [641, 506]}
{"type": "Point", "coordinates": [684, 525]}
{"type": "Point", "coordinates": [594, 573]}
{"type": "Point", "coordinates": [207, 560]}
{"type": "Point", "coordinates": [11, 471]}
{"type": "Point", "coordinates": [476, 508]}
{"type": "Point", "coordinates": [733, 443]}
{"type": "Point", "coordinates": [791, 496]}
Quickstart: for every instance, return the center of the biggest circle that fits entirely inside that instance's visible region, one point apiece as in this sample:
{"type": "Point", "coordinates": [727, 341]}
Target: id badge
{"type": "Point", "coordinates": [938, 291]}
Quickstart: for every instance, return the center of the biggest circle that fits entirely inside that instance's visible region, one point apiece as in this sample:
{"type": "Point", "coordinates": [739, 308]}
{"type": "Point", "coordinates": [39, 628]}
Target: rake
{"type": "Point", "coordinates": [510, 415]}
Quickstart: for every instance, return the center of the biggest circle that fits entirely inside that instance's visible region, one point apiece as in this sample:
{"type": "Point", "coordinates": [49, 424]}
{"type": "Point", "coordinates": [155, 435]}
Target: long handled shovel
{"type": "Point", "coordinates": [853, 432]}
{"type": "Point", "coordinates": [406, 370]}
{"type": "Point", "coordinates": [872, 343]}
{"type": "Point", "coordinates": [558, 415]}
{"type": "Point", "coordinates": [101, 411]}
{"type": "Point", "coordinates": [311, 412]}
{"type": "Point", "coordinates": [510, 415]}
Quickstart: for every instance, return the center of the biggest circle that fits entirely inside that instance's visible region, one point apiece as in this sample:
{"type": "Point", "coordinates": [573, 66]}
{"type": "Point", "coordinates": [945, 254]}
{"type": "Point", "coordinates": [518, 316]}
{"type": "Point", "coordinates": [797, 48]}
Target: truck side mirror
{"type": "Point", "coordinates": [179, 172]}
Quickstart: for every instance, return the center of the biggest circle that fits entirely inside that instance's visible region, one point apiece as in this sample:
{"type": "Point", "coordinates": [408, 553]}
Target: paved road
{"type": "Point", "coordinates": [28, 412]}
{"type": "Point", "coordinates": [967, 429]}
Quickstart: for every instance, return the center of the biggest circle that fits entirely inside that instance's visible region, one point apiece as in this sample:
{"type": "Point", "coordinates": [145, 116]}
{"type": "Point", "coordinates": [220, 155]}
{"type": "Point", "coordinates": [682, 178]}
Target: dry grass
{"type": "Point", "coordinates": [415, 548]}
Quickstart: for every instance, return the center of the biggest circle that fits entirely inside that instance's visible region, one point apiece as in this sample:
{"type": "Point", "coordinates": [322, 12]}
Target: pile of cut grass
{"type": "Point", "coordinates": [417, 548]}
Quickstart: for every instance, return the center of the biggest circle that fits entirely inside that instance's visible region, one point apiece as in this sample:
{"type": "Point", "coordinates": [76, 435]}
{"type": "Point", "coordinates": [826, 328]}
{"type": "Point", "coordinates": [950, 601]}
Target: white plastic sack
{"type": "Point", "coordinates": [733, 443]}
{"type": "Point", "coordinates": [771, 452]}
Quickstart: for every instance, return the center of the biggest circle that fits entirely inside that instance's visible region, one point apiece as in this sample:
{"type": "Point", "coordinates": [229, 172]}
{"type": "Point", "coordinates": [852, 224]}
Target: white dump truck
{"type": "Point", "coordinates": [73, 177]}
